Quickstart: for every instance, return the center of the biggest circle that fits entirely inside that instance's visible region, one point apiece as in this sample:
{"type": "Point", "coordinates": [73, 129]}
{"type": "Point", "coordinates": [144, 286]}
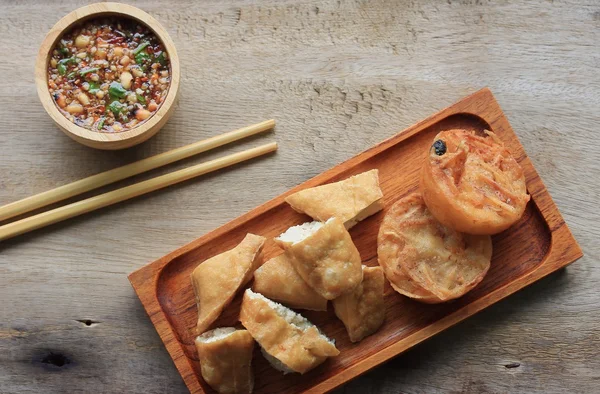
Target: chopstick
{"type": "Point", "coordinates": [125, 193]}
{"type": "Point", "coordinates": [104, 178]}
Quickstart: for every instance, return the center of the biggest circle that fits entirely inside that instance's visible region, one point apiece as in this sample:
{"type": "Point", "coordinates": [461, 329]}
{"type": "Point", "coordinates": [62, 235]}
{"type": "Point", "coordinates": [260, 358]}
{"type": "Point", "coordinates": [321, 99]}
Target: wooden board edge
{"type": "Point", "coordinates": [535, 185]}
{"type": "Point", "coordinates": [165, 331]}
{"type": "Point", "coordinates": [556, 261]}
{"type": "Point", "coordinates": [139, 277]}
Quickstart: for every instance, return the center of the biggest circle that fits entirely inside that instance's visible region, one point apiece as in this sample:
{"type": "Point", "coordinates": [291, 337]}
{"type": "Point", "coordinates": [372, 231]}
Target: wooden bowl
{"type": "Point", "coordinates": [94, 139]}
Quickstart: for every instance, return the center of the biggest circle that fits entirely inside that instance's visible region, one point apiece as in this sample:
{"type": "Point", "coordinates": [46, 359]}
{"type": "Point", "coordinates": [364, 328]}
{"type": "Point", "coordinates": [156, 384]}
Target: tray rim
{"type": "Point", "coordinates": [145, 279]}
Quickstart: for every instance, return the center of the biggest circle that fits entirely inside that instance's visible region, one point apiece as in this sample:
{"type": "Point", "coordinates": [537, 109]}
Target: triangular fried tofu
{"type": "Point", "coordinates": [217, 279]}
{"type": "Point", "coordinates": [362, 311]}
{"type": "Point", "coordinates": [278, 280]}
{"type": "Point", "coordinates": [225, 356]}
{"type": "Point", "coordinates": [289, 341]}
{"type": "Point", "coordinates": [324, 255]}
{"type": "Point", "coordinates": [351, 200]}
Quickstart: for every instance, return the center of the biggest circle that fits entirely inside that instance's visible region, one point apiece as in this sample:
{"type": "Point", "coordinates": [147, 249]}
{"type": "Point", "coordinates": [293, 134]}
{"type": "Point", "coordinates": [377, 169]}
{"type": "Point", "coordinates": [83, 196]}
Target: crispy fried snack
{"type": "Point", "coordinates": [278, 280]}
{"type": "Point", "coordinates": [351, 200]}
{"type": "Point", "coordinates": [217, 279]}
{"type": "Point", "coordinates": [362, 311]}
{"type": "Point", "coordinates": [324, 255]}
{"type": "Point", "coordinates": [472, 184]}
{"type": "Point", "coordinates": [225, 356]}
{"type": "Point", "coordinates": [289, 341]}
{"type": "Point", "coordinates": [425, 260]}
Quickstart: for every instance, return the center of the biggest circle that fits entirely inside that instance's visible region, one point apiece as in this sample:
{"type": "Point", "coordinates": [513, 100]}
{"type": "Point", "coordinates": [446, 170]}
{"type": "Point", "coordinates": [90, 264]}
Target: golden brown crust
{"type": "Point", "coordinates": [426, 260]}
{"type": "Point", "coordinates": [278, 280]}
{"type": "Point", "coordinates": [475, 186]}
{"type": "Point", "coordinates": [217, 279]}
{"type": "Point", "coordinates": [226, 363]}
{"type": "Point", "coordinates": [362, 311]}
{"type": "Point", "coordinates": [300, 350]}
{"type": "Point", "coordinates": [327, 260]}
{"type": "Point", "coordinates": [351, 200]}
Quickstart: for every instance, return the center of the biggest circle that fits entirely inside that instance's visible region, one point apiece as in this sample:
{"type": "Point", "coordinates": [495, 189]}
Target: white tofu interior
{"type": "Point", "coordinates": [216, 335]}
{"type": "Point", "coordinates": [275, 363]}
{"type": "Point", "coordinates": [300, 232]}
{"type": "Point", "coordinates": [291, 317]}
{"type": "Point", "coordinates": [372, 209]}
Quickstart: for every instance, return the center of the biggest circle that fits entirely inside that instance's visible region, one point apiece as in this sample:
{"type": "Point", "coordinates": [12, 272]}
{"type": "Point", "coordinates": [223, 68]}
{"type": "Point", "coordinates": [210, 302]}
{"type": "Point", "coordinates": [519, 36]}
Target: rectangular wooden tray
{"type": "Point", "coordinates": [537, 245]}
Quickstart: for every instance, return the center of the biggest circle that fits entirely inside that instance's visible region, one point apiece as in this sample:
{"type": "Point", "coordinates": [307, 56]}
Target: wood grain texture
{"type": "Point", "coordinates": [92, 182]}
{"type": "Point", "coordinates": [338, 77]}
{"type": "Point", "coordinates": [165, 289]}
{"type": "Point", "coordinates": [103, 200]}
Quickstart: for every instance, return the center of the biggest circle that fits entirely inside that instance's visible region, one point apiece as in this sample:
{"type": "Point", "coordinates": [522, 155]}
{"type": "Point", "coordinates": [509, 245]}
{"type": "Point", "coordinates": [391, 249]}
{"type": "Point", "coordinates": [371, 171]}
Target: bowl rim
{"type": "Point", "coordinates": [88, 137]}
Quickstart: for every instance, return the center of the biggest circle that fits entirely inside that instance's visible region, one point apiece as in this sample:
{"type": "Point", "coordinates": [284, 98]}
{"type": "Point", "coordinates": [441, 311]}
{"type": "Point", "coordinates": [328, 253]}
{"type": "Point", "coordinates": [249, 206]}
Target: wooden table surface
{"type": "Point", "coordinates": [338, 76]}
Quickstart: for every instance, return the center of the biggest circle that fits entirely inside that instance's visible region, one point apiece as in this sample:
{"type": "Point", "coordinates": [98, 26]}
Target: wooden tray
{"type": "Point", "coordinates": [537, 245]}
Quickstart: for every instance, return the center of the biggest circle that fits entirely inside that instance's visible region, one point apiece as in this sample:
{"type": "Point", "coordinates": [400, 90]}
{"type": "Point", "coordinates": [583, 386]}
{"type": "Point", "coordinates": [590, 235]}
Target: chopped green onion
{"type": "Point", "coordinates": [94, 87]}
{"type": "Point", "coordinates": [101, 123]}
{"type": "Point", "coordinates": [140, 99]}
{"type": "Point", "coordinates": [71, 75]}
{"type": "Point", "coordinates": [116, 107]}
{"type": "Point", "coordinates": [140, 47]}
{"type": "Point", "coordinates": [88, 70]}
{"type": "Point", "coordinates": [142, 57]}
{"type": "Point", "coordinates": [62, 65]}
{"type": "Point", "coordinates": [64, 50]}
{"type": "Point", "coordinates": [117, 90]}
{"type": "Point", "coordinates": [161, 59]}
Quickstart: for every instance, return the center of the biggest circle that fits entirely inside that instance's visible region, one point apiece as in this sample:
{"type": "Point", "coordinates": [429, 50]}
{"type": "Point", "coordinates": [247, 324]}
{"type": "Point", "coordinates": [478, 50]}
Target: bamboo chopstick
{"type": "Point", "coordinates": [104, 178]}
{"type": "Point", "coordinates": [137, 189]}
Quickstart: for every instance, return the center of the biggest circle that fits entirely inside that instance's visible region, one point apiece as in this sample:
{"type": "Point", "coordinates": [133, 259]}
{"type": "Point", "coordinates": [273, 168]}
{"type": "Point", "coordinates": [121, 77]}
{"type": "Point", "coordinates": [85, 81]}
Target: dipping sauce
{"type": "Point", "coordinates": [109, 75]}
